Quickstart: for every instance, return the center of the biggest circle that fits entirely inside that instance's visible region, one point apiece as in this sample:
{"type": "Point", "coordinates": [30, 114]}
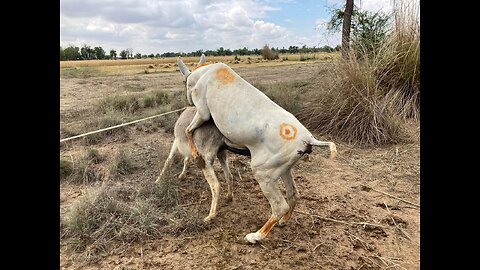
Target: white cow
{"type": "Point", "coordinates": [248, 118]}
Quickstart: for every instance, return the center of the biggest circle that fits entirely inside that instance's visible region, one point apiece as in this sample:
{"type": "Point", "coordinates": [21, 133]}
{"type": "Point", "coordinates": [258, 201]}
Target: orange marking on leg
{"type": "Point", "coordinates": [288, 132]}
{"type": "Point", "coordinates": [224, 76]}
{"type": "Point", "coordinates": [192, 145]}
{"type": "Point", "coordinates": [268, 226]}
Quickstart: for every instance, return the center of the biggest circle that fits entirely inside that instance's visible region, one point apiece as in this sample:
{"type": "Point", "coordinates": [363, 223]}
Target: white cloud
{"type": "Point", "coordinates": [166, 25]}
{"type": "Point", "coordinates": [376, 5]}
{"type": "Point", "coordinates": [151, 26]}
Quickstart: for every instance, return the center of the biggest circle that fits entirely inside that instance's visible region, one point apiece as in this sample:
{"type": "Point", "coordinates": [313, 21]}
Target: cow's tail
{"type": "Point", "coordinates": [331, 145]}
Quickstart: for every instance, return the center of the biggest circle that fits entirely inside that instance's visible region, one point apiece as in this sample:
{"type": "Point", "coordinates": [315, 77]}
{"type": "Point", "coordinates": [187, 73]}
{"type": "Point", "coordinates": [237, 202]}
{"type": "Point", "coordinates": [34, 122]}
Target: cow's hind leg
{"type": "Point", "coordinates": [278, 204]}
{"type": "Point", "coordinates": [212, 180]}
{"type": "Point", "coordinates": [168, 162]}
{"type": "Point", "coordinates": [184, 170]}
{"type": "Point", "coordinates": [292, 195]}
{"type": "Point", "coordinates": [222, 157]}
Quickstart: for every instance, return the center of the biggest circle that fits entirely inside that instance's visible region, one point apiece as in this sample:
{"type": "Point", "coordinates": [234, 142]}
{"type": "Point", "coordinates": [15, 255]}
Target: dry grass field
{"type": "Point", "coordinates": [359, 211]}
{"type": "Point", "coordinates": [87, 68]}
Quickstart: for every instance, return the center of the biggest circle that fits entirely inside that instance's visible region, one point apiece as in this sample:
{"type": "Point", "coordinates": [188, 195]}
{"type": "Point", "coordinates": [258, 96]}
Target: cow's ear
{"type": "Point", "coordinates": [183, 68]}
{"type": "Point", "coordinates": [202, 60]}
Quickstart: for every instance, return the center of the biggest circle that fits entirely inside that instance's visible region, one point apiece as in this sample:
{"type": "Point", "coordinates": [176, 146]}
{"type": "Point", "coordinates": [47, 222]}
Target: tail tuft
{"type": "Point", "coordinates": [333, 150]}
{"type": "Point", "coordinates": [331, 145]}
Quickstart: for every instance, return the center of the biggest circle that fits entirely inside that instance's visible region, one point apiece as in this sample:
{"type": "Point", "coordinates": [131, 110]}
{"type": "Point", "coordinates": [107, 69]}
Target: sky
{"type": "Point", "coordinates": [158, 26]}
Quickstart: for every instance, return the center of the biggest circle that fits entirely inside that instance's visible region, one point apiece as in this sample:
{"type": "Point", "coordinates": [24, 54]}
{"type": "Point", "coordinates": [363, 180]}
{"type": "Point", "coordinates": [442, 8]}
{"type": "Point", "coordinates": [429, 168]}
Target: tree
{"type": "Point", "coordinates": [368, 29]}
{"type": "Point", "coordinates": [113, 54]}
{"type": "Point", "coordinates": [221, 51]}
{"type": "Point", "coordinates": [62, 54]}
{"type": "Point", "coordinates": [293, 49]}
{"type": "Point", "coordinates": [99, 53]}
{"type": "Point", "coordinates": [86, 52]}
{"type": "Point", "coordinates": [138, 55]}
{"type": "Point", "coordinates": [71, 53]}
{"type": "Point", "coordinates": [129, 53]}
{"type": "Point", "coordinates": [347, 19]}
{"type": "Point", "coordinates": [210, 53]}
{"type": "Point", "coordinates": [327, 48]}
{"type": "Point", "coordinates": [124, 54]}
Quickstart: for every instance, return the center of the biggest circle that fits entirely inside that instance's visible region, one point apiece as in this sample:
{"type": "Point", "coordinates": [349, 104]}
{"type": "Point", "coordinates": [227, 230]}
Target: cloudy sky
{"type": "Point", "coordinates": [157, 26]}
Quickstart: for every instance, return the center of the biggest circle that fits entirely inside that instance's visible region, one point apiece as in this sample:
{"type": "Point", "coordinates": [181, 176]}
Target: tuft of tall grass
{"type": "Point", "coordinates": [101, 218]}
{"type": "Point", "coordinates": [122, 163]}
{"type": "Point", "coordinates": [178, 100]}
{"type": "Point", "coordinates": [355, 112]}
{"type": "Point", "coordinates": [373, 94]}
{"type": "Point", "coordinates": [83, 169]}
{"type": "Point", "coordinates": [269, 54]}
{"type": "Point", "coordinates": [167, 122]}
{"type": "Point", "coordinates": [124, 104]}
{"type": "Point", "coordinates": [164, 194]}
{"type": "Point", "coordinates": [66, 168]}
{"type": "Point", "coordinates": [109, 119]}
{"type": "Point", "coordinates": [94, 156]}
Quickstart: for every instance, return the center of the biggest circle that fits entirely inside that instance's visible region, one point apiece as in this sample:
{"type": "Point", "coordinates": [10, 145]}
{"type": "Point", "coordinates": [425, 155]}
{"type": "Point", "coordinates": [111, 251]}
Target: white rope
{"type": "Point", "coordinates": [121, 125]}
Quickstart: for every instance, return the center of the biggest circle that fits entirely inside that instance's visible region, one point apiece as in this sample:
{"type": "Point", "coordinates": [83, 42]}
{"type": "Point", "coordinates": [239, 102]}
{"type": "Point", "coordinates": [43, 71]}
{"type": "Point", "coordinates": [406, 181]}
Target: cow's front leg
{"type": "Point", "coordinates": [201, 116]}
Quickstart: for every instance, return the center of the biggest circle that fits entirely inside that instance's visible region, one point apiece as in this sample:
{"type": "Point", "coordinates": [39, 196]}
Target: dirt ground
{"type": "Point", "coordinates": [355, 212]}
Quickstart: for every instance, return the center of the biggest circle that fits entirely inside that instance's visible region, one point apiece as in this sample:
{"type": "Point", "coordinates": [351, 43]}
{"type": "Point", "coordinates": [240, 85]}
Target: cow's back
{"type": "Point", "coordinates": [247, 117]}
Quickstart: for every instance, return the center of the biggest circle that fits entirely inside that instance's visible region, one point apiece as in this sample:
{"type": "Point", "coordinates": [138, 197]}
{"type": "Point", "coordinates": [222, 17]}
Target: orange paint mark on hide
{"type": "Point", "coordinates": [202, 65]}
{"type": "Point", "coordinates": [224, 76]}
{"type": "Point", "coordinates": [288, 132]}
{"type": "Point", "coordinates": [268, 226]}
{"type": "Point", "coordinates": [192, 145]}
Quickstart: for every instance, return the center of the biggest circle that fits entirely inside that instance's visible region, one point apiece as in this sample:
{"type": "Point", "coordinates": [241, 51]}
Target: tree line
{"type": "Point", "coordinates": [98, 53]}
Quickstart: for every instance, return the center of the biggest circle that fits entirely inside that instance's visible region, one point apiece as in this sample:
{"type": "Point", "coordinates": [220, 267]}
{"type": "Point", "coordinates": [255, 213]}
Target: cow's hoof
{"type": "Point", "coordinates": [208, 219]}
{"type": "Point", "coordinates": [253, 238]}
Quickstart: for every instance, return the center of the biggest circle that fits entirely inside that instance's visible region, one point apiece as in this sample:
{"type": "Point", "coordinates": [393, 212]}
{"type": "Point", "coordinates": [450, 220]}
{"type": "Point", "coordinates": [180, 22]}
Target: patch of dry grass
{"type": "Point", "coordinates": [156, 98]}
{"type": "Point", "coordinates": [102, 217]}
{"type": "Point", "coordinates": [83, 169]}
{"type": "Point", "coordinates": [124, 104]}
{"type": "Point", "coordinates": [122, 163]}
{"type": "Point", "coordinates": [109, 119]}
{"type": "Point", "coordinates": [75, 69]}
{"type": "Point", "coordinates": [80, 72]}
{"type": "Point", "coordinates": [115, 215]}
{"type": "Point", "coordinates": [354, 112]}
{"type": "Point", "coordinates": [371, 95]}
